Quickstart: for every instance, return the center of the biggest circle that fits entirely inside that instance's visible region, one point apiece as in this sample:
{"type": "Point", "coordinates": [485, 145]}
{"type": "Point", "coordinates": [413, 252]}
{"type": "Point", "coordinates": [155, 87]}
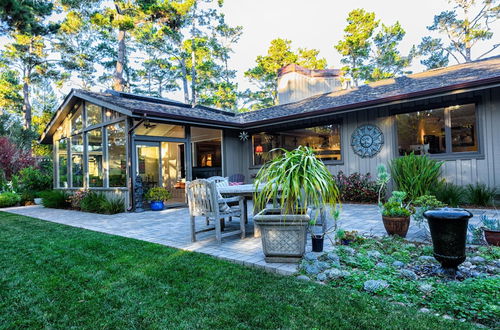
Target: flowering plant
{"type": "Point", "coordinates": [357, 187]}
{"type": "Point", "coordinates": [77, 197]}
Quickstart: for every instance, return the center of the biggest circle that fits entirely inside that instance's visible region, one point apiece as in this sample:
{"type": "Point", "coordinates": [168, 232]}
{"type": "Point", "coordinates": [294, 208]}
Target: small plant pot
{"type": "Point", "coordinates": [345, 241]}
{"type": "Point", "coordinates": [317, 243]}
{"type": "Point", "coordinates": [157, 205]}
{"type": "Point", "coordinates": [492, 237]}
{"type": "Point", "coordinates": [396, 225]}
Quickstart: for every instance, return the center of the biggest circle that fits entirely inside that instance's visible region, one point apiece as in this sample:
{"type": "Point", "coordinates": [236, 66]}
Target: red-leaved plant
{"type": "Point", "coordinates": [12, 158]}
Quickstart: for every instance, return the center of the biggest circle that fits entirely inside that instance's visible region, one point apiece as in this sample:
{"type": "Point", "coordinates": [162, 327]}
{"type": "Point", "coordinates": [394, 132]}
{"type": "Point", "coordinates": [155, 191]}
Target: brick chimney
{"type": "Point", "coordinates": [296, 83]}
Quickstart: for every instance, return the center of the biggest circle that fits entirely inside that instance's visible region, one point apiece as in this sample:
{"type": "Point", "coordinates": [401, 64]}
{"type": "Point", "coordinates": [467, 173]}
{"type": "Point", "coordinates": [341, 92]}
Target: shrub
{"type": "Point", "coordinates": [449, 193]}
{"type": "Point", "coordinates": [77, 197]}
{"type": "Point", "coordinates": [32, 181]}
{"type": "Point", "coordinates": [158, 194]}
{"type": "Point", "coordinates": [9, 199]}
{"type": "Point", "coordinates": [480, 194]}
{"type": "Point", "coordinates": [416, 175]}
{"type": "Point", "coordinates": [57, 199]}
{"type": "Point", "coordinates": [424, 203]}
{"type": "Point", "coordinates": [357, 187]}
{"type": "Point", "coordinates": [93, 202]}
{"type": "Point", "coordinates": [113, 205]}
{"type": "Point", "coordinates": [13, 158]}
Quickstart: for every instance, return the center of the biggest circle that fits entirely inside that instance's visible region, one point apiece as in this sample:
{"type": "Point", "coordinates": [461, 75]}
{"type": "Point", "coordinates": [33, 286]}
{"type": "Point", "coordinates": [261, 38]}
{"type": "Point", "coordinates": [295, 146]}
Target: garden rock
{"type": "Point", "coordinates": [374, 286]}
{"type": "Point", "coordinates": [321, 277]}
{"type": "Point", "coordinates": [467, 264]}
{"type": "Point", "coordinates": [477, 260]}
{"type": "Point", "coordinates": [398, 264]}
{"type": "Point", "coordinates": [381, 265]}
{"type": "Point", "coordinates": [303, 278]}
{"type": "Point", "coordinates": [312, 269]}
{"type": "Point", "coordinates": [311, 256]}
{"type": "Point", "coordinates": [408, 274]}
{"type": "Point", "coordinates": [322, 265]}
{"type": "Point", "coordinates": [333, 257]}
{"type": "Point", "coordinates": [374, 254]}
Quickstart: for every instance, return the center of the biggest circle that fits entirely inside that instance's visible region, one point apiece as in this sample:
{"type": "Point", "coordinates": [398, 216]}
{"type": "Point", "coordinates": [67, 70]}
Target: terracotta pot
{"type": "Point", "coordinates": [396, 225]}
{"type": "Point", "coordinates": [492, 237]}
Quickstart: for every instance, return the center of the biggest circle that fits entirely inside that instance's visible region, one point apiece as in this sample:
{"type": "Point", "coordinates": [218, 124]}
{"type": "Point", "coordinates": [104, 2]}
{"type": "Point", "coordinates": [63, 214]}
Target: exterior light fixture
{"type": "Point", "coordinates": [259, 150]}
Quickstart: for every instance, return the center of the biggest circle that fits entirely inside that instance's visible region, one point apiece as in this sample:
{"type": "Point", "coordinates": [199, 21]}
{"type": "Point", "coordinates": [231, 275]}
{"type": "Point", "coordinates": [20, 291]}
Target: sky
{"type": "Point", "coordinates": [319, 24]}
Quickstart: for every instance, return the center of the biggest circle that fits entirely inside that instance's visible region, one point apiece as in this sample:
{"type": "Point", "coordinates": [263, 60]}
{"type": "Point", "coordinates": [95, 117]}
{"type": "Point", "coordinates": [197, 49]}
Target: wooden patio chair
{"type": "Point", "coordinates": [205, 201]}
{"type": "Point", "coordinates": [236, 178]}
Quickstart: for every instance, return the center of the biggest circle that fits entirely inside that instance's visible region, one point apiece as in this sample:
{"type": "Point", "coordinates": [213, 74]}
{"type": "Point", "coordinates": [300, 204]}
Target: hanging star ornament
{"type": "Point", "coordinates": [243, 136]}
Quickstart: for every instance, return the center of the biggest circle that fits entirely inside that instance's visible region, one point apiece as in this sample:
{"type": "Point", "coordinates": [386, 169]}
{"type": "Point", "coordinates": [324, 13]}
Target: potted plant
{"type": "Point", "coordinates": [156, 196]}
{"type": "Point", "coordinates": [396, 215]}
{"type": "Point", "coordinates": [491, 230]}
{"type": "Point", "coordinates": [294, 182]}
{"type": "Point", "coordinates": [318, 238]}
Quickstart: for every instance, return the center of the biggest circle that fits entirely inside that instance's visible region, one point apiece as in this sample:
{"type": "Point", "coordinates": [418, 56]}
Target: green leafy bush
{"type": "Point", "coordinates": [480, 194]}
{"type": "Point", "coordinates": [395, 206]}
{"type": "Point", "coordinates": [9, 199]}
{"type": "Point", "coordinates": [449, 193]}
{"type": "Point", "coordinates": [57, 199]}
{"type": "Point", "coordinates": [158, 194]}
{"type": "Point", "coordinates": [424, 203]}
{"type": "Point", "coordinates": [93, 202]}
{"type": "Point", "coordinates": [113, 205]}
{"type": "Point", "coordinates": [415, 175]}
{"type": "Point", "coordinates": [32, 181]}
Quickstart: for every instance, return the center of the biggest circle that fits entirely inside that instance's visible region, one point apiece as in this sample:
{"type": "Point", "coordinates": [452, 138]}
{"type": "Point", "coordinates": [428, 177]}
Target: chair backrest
{"type": "Point", "coordinates": [202, 198]}
{"type": "Point", "coordinates": [219, 181]}
{"type": "Point", "coordinates": [237, 178]}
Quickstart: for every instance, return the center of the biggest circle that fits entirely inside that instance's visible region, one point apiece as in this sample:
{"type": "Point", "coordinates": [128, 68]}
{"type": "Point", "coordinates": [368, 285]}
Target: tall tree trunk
{"type": "Point", "coordinates": [26, 106]}
{"type": "Point", "coordinates": [118, 81]}
{"type": "Point", "coordinates": [185, 86]}
{"type": "Point", "coordinates": [193, 77]}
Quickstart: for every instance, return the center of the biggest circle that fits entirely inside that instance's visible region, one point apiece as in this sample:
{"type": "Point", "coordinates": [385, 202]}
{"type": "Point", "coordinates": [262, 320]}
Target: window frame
{"type": "Point", "coordinates": [331, 162]}
{"type": "Point", "coordinates": [449, 154]}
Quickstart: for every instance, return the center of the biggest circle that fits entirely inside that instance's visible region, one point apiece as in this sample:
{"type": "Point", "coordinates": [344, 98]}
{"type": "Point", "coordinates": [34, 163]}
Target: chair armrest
{"type": "Point", "coordinates": [231, 199]}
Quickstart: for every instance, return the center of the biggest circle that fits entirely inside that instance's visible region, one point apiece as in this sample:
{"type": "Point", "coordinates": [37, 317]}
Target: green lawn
{"type": "Point", "coordinates": [57, 276]}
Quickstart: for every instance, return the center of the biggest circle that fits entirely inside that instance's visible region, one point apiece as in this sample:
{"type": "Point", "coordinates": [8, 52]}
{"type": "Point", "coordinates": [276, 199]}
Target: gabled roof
{"type": "Point", "coordinates": [483, 73]}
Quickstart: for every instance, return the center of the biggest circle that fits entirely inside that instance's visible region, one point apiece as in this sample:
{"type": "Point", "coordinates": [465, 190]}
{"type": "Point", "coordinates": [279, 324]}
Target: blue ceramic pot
{"type": "Point", "coordinates": [156, 205]}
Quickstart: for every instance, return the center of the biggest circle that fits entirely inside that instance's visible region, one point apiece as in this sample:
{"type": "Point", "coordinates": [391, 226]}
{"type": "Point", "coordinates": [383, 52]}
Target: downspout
{"type": "Point", "coordinates": [131, 169]}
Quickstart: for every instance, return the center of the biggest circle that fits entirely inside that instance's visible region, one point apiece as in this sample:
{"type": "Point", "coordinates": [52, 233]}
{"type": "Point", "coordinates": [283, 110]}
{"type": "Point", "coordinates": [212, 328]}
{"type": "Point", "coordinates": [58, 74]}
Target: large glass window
{"type": "Point", "coordinates": [117, 155]}
{"type": "Point", "coordinates": [324, 140]}
{"type": "Point", "coordinates": [77, 160]}
{"type": "Point", "coordinates": [95, 160]}
{"type": "Point", "coordinates": [94, 114]}
{"type": "Point", "coordinates": [429, 131]}
{"type": "Point", "coordinates": [62, 162]}
{"type": "Point", "coordinates": [76, 120]}
{"type": "Point", "coordinates": [157, 129]}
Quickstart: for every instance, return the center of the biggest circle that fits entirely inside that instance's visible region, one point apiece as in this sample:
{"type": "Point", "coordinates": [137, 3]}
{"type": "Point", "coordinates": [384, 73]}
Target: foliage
{"type": "Point", "coordinates": [77, 197]}
{"type": "Point", "coordinates": [489, 223]}
{"type": "Point", "coordinates": [151, 273]}
{"type": "Point", "coordinates": [157, 194]}
{"type": "Point", "coordinates": [383, 178]}
{"type": "Point", "coordinates": [449, 193]}
{"type": "Point", "coordinates": [299, 180]}
{"type": "Point", "coordinates": [480, 194]}
{"type": "Point", "coordinates": [32, 181]}
{"type": "Point", "coordinates": [424, 203]}
{"type": "Point", "coordinates": [93, 202]}
{"type": "Point", "coordinates": [395, 206]}
{"type": "Point", "coordinates": [13, 159]}
{"type": "Point", "coordinates": [9, 199]}
{"type": "Point", "coordinates": [346, 236]}
{"type": "Point", "coordinates": [113, 205]}
{"type": "Point", "coordinates": [356, 187]}
{"type": "Point", "coordinates": [25, 16]}
{"type": "Point", "coordinates": [415, 175]}
{"type": "Point", "coordinates": [57, 199]}
{"type": "Point", "coordinates": [463, 27]}
{"type": "Point", "coordinates": [265, 73]}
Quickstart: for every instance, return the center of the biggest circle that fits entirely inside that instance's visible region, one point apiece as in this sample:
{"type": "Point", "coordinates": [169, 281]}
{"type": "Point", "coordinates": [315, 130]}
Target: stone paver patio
{"type": "Point", "coordinates": [171, 228]}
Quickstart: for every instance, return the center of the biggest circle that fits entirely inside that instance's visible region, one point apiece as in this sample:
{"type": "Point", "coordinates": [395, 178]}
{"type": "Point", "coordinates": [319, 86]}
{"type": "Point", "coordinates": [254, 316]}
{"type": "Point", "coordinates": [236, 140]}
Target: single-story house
{"type": "Point", "coordinates": [102, 141]}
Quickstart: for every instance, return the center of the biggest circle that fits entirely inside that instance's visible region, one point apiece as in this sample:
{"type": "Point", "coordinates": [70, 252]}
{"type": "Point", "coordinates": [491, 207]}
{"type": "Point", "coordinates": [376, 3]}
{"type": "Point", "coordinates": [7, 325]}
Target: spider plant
{"type": "Point", "coordinates": [298, 180]}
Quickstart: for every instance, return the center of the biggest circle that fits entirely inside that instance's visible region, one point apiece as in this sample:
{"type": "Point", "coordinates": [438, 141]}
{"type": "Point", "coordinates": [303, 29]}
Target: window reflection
{"type": "Point", "coordinates": [116, 155]}
{"type": "Point", "coordinates": [62, 161]}
{"type": "Point", "coordinates": [77, 161]}
{"type": "Point", "coordinates": [95, 160]}
{"type": "Point", "coordinates": [94, 114]}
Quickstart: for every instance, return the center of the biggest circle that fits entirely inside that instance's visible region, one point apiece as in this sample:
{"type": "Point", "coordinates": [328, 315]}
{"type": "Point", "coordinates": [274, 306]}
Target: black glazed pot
{"type": "Point", "coordinates": [448, 228]}
{"type": "Point", "coordinates": [317, 243]}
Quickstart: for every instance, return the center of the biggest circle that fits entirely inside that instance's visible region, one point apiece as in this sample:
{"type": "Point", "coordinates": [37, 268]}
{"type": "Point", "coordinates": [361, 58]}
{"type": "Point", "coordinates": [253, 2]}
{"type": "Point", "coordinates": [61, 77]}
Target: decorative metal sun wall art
{"type": "Point", "coordinates": [367, 141]}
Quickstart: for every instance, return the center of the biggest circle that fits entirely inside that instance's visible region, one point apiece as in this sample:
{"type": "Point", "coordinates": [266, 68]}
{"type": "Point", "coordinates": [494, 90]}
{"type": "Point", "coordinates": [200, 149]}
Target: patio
{"type": "Point", "coordinates": [171, 228]}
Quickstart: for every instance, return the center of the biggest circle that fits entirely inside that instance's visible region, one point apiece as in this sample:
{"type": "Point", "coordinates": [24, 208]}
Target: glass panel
{"type": "Point", "coordinates": [422, 132]}
{"type": "Point", "coordinates": [77, 160]}
{"type": "Point", "coordinates": [206, 150]}
{"type": "Point", "coordinates": [62, 162]}
{"type": "Point", "coordinates": [173, 170]}
{"type": "Point", "coordinates": [463, 128]}
{"type": "Point", "coordinates": [95, 163]}
{"type": "Point", "coordinates": [76, 120]}
{"type": "Point", "coordinates": [324, 140]}
{"type": "Point", "coordinates": [117, 155]}
{"type": "Point", "coordinates": [110, 114]}
{"type": "Point", "coordinates": [94, 114]}
{"type": "Point", "coordinates": [157, 129]}
{"type": "Point", "coordinates": [148, 165]}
